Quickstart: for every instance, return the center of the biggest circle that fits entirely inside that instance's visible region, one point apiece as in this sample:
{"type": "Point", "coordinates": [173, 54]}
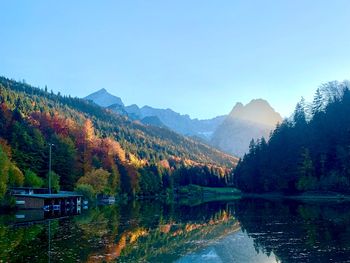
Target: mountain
{"type": "Point", "coordinates": [133, 111]}
{"type": "Point", "coordinates": [177, 122]}
{"type": "Point", "coordinates": [153, 120]}
{"type": "Point", "coordinates": [252, 121]}
{"type": "Point", "coordinates": [256, 111]}
{"type": "Point", "coordinates": [104, 99]}
{"type": "Point", "coordinates": [182, 124]}
{"type": "Point", "coordinates": [118, 108]}
{"type": "Point", "coordinates": [231, 133]}
{"type": "Point", "coordinates": [96, 150]}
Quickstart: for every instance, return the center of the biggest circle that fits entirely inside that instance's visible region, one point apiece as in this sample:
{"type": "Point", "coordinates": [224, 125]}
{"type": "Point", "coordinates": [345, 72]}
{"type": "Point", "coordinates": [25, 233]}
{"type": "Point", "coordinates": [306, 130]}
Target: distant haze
{"type": "Point", "coordinates": [231, 133]}
{"type": "Point", "coordinates": [258, 111]}
{"type": "Point", "coordinates": [197, 57]}
{"type": "Point", "coordinates": [245, 122]}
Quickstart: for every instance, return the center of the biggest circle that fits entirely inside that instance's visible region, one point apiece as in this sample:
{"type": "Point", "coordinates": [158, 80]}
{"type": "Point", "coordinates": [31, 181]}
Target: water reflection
{"type": "Point", "coordinates": [135, 232]}
{"type": "Point", "coordinates": [296, 231]}
{"type": "Point", "coordinates": [237, 247]}
{"type": "Point", "coordinates": [154, 232]}
{"type": "Point", "coordinates": [237, 231]}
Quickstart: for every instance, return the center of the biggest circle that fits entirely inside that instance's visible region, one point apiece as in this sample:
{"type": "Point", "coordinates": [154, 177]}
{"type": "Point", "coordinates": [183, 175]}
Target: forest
{"type": "Point", "coordinates": [309, 152]}
{"type": "Point", "coordinates": [95, 151]}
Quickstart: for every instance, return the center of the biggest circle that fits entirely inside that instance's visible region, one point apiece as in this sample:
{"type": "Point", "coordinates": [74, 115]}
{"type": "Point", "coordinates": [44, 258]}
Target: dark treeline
{"type": "Point", "coordinates": [308, 152]}
{"type": "Point", "coordinates": [95, 150]}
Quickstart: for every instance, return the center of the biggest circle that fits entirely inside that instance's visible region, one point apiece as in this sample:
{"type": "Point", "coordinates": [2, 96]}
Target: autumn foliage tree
{"type": "Point", "coordinates": [98, 180]}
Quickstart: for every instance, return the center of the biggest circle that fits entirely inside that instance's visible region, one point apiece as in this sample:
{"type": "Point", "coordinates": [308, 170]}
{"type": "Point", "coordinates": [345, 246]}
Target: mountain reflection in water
{"type": "Point", "coordinates": [237, 247]}
{"type": "Point", "coordinates": [248, 230]}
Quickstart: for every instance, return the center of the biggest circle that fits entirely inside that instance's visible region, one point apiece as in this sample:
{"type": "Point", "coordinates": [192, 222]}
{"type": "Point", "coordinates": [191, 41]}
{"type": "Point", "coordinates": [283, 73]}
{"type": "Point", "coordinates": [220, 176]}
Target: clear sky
{"type": "Point", "coordinates": [194, 56]}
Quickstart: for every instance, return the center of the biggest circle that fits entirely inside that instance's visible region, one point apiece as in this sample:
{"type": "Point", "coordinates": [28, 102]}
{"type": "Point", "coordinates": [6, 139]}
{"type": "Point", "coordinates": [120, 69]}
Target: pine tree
{"type": "Point", "coordinates": [317, 104]}
{"type": "Point", "coordinates": [299, 113]}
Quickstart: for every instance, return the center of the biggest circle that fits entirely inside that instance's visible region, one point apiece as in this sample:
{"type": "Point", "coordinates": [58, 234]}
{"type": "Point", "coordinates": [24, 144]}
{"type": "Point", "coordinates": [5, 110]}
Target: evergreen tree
{"type": "Point", "coordinates": [317, 104]}
{"type": "Point", "coordinates": [304, 155]}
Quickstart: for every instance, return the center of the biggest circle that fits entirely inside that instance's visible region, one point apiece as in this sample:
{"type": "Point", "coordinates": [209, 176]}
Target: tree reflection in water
{"type": "Point", "coordinates": [296, 231]}
{"type": "Point", "coordinates": [134, 232]}
{"type": "Point", "coordinates": [157, 232]}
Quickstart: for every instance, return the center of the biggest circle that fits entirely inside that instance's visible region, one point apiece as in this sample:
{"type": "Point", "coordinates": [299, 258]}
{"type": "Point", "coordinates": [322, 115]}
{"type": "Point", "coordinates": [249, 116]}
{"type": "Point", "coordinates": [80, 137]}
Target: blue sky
{"type": "Point", "coordinates": [196, 57]}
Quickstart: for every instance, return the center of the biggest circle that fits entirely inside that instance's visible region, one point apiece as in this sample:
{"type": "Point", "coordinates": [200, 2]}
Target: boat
{"type": "Point", "coordinates": [107, 200]}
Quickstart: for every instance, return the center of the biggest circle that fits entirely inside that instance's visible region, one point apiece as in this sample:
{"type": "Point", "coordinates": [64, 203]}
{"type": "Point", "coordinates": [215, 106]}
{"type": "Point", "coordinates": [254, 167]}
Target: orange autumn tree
{"type": "Point", "coordinates": [85, 139]}
{"type": "Point", "coordinates": [110, 153]}
{"type": "Point", "coordinates": [88, 135]}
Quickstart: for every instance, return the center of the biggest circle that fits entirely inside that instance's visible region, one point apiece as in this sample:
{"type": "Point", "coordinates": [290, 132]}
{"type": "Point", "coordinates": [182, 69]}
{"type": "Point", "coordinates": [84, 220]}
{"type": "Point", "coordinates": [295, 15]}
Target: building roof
{"type": "Point", "coordinates": [28, 188]}
{"type": "Point", "coordinates": [49, 196]}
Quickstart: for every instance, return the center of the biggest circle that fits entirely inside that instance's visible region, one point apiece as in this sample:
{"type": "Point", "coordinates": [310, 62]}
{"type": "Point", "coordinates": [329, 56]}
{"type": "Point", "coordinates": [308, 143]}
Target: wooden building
{"type": "Point", "coordinates": [60, 201]}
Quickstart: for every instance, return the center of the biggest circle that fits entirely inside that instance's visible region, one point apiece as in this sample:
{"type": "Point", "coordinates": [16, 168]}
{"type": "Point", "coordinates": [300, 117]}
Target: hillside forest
{"type": "Point", "coordinates": [96, 151]}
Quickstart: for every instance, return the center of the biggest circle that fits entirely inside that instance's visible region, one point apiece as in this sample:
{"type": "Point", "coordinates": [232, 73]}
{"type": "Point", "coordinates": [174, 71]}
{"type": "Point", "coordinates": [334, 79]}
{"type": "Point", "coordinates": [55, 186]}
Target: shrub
{"type": "Point", "coordinates": [16, 177]}
{"type": "Point", "coordinates": [97, 179]}
{"type": "Point", "coordinates": [55, 182]}
{"type": "Point", "coordinates": [86, 190]}
{"type": "Point", "coordinates": [32, 180]}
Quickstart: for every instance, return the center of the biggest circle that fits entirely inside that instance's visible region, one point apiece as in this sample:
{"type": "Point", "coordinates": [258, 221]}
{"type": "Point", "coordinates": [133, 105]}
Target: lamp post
{"type": "Point", "coordinates": [50, 144]}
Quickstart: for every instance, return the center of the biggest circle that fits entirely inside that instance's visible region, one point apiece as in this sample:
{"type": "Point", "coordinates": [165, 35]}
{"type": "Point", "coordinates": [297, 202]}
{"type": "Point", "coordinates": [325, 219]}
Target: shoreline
{"type": "Point", "coordinates": [301, 197]}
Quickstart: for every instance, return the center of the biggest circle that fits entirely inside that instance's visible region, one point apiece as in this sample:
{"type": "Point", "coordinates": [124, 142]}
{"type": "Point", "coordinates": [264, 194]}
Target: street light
{"type": "Point", "coordinates": [50, 144]}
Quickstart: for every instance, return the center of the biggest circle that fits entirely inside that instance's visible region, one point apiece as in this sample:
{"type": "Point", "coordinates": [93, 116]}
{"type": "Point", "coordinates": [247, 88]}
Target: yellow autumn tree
{"type": "Point", "coordinates": [88, 135]}
{"type": "Point", "coordinates": [97, 179]}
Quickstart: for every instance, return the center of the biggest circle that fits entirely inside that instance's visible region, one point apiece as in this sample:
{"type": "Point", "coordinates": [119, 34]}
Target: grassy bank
{"type": "Point", "coordinates": [200, 191]}
{"type": "Point", "coordinates": [193, 195]}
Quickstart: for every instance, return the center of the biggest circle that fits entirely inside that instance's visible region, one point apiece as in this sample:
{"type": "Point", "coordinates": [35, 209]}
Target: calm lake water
{"type": "Point", "coordinates": [248, 230]}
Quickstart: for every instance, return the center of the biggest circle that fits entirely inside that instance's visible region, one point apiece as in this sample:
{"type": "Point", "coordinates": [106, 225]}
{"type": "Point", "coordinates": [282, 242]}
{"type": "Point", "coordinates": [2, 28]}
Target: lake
{"type": "Point", "coordinates": [246, 230]}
